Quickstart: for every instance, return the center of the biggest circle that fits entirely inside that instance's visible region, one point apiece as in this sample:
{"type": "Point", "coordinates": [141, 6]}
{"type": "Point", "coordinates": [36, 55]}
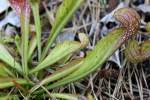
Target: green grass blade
{"type": "Point", "coordinates": [64, 13]}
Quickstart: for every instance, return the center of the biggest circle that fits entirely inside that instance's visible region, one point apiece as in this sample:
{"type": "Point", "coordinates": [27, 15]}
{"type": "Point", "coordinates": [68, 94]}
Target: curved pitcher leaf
{"type": "Point", "coordinates": [102, 51]}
